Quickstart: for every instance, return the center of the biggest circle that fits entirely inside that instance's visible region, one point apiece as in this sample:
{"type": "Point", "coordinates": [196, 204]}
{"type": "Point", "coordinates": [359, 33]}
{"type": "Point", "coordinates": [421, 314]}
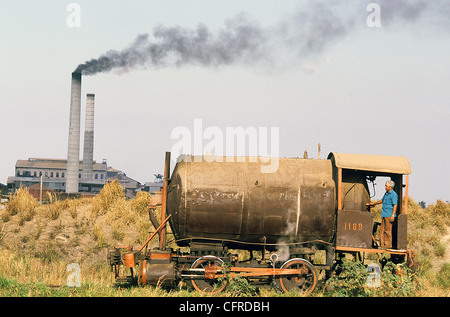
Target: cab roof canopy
{"type": "Point", "coordinates": [373, 163]}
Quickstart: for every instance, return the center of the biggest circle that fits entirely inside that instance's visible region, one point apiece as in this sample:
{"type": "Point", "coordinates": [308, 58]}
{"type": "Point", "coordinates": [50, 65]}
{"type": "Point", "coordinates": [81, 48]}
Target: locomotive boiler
{"type": "Point", "coordinates": [217, 205]}
{"type": "Point", "coordinates": [234, 201]}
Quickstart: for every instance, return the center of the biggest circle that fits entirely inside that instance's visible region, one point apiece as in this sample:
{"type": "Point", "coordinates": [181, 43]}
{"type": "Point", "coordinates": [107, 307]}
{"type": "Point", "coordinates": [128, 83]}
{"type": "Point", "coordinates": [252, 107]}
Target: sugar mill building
{"type": "Point", "coordinates": [54, 172]}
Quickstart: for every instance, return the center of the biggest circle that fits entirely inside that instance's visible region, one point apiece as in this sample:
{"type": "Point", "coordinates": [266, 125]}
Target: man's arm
{"type": "Point", "coordinates": [374, 203]}
{"type": "Point", "coordinates": [393, 213]}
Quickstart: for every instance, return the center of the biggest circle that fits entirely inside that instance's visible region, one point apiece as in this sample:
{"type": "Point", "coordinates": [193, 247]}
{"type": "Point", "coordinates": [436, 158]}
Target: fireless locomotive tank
{"type": "Point", "coordinates": [234, 201]}
{"type": "Point", "coordinates": [294, 209]}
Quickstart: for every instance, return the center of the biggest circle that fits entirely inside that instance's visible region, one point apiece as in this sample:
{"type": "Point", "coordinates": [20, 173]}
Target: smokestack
{"type": "Point", "coordinates": [88, 151]}
{"type": "Point", "coordinates": [73, 153]}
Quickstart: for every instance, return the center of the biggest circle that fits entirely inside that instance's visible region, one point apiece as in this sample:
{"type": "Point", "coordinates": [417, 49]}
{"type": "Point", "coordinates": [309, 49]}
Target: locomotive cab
{"type": "Point", "coordinates": [355, 227]}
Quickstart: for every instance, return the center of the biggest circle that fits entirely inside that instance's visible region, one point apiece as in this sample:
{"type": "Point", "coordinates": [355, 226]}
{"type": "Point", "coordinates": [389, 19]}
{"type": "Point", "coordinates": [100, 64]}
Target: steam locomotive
{"type": "Point", "coordinates": [293, 222]}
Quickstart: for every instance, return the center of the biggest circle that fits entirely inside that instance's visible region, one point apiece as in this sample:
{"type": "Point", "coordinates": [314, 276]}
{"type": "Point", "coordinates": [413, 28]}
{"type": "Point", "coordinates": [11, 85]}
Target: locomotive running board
{"type": "Point", "coordinates": [409, 255]}
{"type": "Point", "coordinates": [389, 251]}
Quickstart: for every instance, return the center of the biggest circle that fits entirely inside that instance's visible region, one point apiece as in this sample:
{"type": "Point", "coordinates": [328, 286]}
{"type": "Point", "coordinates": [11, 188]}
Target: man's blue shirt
{"type": "Point", "coordinates": [389, 200]}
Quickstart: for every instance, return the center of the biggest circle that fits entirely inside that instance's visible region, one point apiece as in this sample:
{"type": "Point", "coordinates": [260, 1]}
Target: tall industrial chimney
{"type": "Point", "coordinates": [88, 151]}
{"type": "Point", "coordinates": [73, 153]}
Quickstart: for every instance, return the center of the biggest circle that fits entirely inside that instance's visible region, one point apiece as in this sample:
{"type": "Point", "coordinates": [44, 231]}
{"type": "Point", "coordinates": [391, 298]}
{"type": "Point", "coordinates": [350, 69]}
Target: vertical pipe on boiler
{"type": "Point", "coordinates": [162, 238]}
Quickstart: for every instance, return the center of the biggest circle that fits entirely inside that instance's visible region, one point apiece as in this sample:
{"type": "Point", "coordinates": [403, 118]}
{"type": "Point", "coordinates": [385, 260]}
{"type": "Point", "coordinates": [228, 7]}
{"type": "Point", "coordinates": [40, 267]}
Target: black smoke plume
{"type": "Point", "coordinates": [305, 33]}
{"type": "Point", "coordinates": [240, 41]}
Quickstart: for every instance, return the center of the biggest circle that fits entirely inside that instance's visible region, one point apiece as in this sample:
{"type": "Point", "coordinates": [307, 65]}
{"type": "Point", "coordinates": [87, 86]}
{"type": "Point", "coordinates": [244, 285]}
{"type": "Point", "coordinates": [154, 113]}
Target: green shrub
{"type": "Point", "coordinates": [239, 286]}
{"type": "Point", "coordinates": [349, 280]}
{"type": "Point", "coordinates": [353, 280]}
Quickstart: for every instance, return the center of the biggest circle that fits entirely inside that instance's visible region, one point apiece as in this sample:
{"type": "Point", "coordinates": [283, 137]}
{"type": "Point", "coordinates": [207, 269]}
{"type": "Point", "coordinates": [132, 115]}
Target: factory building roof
{"type": "Point", "coordinates": [54, 164]}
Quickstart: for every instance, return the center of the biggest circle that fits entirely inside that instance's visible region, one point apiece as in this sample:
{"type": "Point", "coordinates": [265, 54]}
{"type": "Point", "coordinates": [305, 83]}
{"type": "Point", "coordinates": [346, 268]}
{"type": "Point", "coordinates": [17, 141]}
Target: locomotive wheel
{"type": "Point", "coordinates": [208, 284]}
{"type": "Point", "coordinates": [305, 282]}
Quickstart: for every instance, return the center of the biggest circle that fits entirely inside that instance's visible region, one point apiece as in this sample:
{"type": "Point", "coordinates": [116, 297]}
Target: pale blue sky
{"type": "Point", "coordinates": [374, 91]}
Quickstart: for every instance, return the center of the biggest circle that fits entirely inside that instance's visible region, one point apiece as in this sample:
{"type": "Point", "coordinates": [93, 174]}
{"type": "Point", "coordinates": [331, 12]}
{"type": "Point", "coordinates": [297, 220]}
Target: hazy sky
{"type": "Point", "coordinates": [314, 69]}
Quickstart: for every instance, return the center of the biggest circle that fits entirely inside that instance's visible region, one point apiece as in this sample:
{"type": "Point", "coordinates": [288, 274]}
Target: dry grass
{"type": "Point", "coordinates": [74, 229]}
{"type": "Point", "coordinates": [22, 204]}
{"type": "Point", "coordinates": [25, 268]}
{"type": "Point", "coordinates": [427, 228]}
{"type": "Point", "coordinates": [38, 249]}
{"type": "Point", "coordinates": [110, 194]}
{"type": "Point", "coordinates": [429, 238]}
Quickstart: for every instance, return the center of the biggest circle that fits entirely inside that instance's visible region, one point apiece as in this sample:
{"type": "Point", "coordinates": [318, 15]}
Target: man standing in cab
{"type": "Point", "coordinates": [388, 214]}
